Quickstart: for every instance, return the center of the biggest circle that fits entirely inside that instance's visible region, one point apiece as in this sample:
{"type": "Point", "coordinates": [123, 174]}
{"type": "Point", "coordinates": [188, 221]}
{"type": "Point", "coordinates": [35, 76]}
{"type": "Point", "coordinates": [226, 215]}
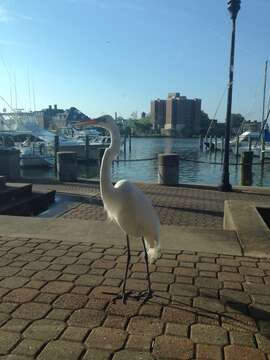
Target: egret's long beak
{"type": "Point", "coordinates": [87, 122]}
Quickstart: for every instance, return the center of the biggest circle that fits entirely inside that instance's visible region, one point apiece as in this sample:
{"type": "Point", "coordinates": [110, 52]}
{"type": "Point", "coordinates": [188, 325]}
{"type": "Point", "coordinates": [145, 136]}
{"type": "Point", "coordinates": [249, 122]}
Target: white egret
{"type": "Point", "coordinates": [126, 204]}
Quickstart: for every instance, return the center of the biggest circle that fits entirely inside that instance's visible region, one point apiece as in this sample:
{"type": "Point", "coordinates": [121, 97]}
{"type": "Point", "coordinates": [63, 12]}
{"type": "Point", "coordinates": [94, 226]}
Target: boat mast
{"type": "Point", "coordinates": [264, 94]}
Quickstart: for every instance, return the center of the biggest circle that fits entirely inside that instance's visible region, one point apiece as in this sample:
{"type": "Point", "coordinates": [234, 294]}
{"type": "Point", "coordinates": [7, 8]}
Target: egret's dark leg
{"type": "Point", "coordinates": [147, 269]}
{"type": "Point", "coordinates": [126, 272]}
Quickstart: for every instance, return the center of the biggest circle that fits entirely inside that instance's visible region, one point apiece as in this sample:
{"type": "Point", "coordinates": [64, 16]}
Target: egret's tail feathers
{"type": "Point", "coordinates": [153, 254]}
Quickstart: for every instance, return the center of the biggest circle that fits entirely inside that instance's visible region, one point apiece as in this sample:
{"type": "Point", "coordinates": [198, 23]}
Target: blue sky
{"type": "Point", "coordinates": [104, 56]}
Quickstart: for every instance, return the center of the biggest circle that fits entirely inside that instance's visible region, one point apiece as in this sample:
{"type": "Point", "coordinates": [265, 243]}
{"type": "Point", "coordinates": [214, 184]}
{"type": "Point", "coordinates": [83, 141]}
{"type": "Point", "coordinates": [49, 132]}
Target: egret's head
{"type": "Point", "coordinates": [105, 121]}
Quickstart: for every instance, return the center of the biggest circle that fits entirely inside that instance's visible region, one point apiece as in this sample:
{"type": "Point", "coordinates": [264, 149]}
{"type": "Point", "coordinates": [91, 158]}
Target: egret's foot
{"type": "Point", "coordinates": [122, 296]}
{"type": "Point", "coordinates": [145, 295]}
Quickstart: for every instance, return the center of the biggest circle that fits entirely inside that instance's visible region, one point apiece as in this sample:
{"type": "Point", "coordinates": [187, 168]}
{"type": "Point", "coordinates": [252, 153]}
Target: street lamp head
{"type": "Point", "coordinates": [234, 7]}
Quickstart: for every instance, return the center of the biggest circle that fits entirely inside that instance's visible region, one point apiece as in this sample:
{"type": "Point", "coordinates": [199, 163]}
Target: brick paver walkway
{"type": "Point", "coordinates": [54, 304]}
{"type": "Point", "coordinates": [175, 205]}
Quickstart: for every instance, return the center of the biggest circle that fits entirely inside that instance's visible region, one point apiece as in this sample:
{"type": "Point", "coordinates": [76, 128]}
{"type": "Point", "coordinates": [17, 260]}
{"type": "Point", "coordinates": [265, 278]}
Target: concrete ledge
{"type": "Point", "coordinates": [252, 232]}
{"type": "Point", "coordinates": [172, 237]}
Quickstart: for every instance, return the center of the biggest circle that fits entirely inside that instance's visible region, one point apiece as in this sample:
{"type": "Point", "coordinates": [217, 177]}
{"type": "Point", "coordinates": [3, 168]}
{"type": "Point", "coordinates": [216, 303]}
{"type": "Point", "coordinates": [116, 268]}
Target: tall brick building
{"type": "Point", "coordinates": [177, 114]}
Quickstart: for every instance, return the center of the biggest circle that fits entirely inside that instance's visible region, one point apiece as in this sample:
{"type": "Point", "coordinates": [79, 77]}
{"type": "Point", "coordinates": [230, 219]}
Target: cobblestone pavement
{"type": "Point", "coordinates": [55, 304]}
{"type": "Point", "coordinates": [175, 205]}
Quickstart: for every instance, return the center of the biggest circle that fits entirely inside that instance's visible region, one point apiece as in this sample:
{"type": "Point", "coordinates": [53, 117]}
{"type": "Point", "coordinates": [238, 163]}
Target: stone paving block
{"type": "Point", "coordinates": [103, 264]}
{"type": "Point", "coordinates": [208, 352]}
{"type": "Point", "coordinates": [28, 347]}
{"type": "Point", "coordinates": [61, 350]}
{"type": "Point", "coordinates": [76, 269]}
{"type": "Point", "coordinates": [164, 262]}
{"type": "Point", "coordinates": [236, 352]}
{"type": "Point", "coordinates": [247, 270]}
{"type": "Point", "coordinates": [209, 283]}
{"type": "Point", "coordinates": [232, 285]}
{"type": "Point", "coordinates": [180, 330]}
{"type": "Point", "coordinates": [113, 321]}
{"type": "Point", "coordinates": [207, 334]}
{"type": "Point", "coordinates": [209, 304]}
{"type": "Point", "coordinates": [96, 354]}
{"type": "Point", "coordinates": [46, 298]}
{"type": "Point", "coordinates": [59, 314]}
{"type": "Point", "coordinates": [112, 282]}
{"type": "Point", "coordinates": [161, 277]}
{"type": "Point", "coordinates": [153, 310]}
{"type": "Point", "coordinates": [146, 325]}
{"type": "Point", "coordinates": [188, 258]}
{"type": "Point", "coordinates": [115, 273]}
{"type": "Point", "coordinates": [47, 275]}
{"type": "Point", "coordinates": [242, 338]}
{"type": "Point", "coordinates": [173, 347]}
{"type": "Point", "coordinates": [229, 276]}
{"type": "Point", "coordinates": [57, 287]}
{"type": "Point", "coordinates": [7, 271]}
{"type": "Point", "coordinates": [44, 329]}
{"type": "Point", "coordinates": [7, 308]}
{"type": "Point", "coordinates": [3, 318]}
{"type": "Point", "coordinates": [97, 303]}
{"type": "Point", "coordinates": [16, 325]}
{"type": "Point", "coordinates": [21, 295]}
{"type": "Point", "coordinates": [183, 290]}
{"type": "Point", "coordinates": [13, 282]}
{"type": "Point", "coordinates": [130, 308]}
{"type": "Point", "coordinates": [254, 289]}
{"type": "Point", "coordinates": [7, 341]}
{"type": "Point", "coordinates": [139, 342]}
{"type": "Point", "coordinates": [132, 355]}
{"type": "Point", "coordinates": [86, 318]}
{"type": "Point", "coordinates": [31, 311]}
{"type": "Point", "coordinates": [106, 338]}
{"type": "Point", "coordinates": [89, 280]}
{"type": "Point", "coordinates": [65, 260]}
{"type": "Point", "coordinates": [70, 301]}
{"type": "Point", "coordinates": [185, 271]}
{"type": "Point", "coordinates": [82, 290]}
{"type": "Point", "coordinates": [37, 265]}
{"type": "Point", "coordinates": [178, 315]}
{"type": "Point", "coordinates": [208, 267]}
{"type": "Point", "coordinates": [75, 333]}
{"type": "Point", "coordinates": [238, 322]}
{"type": "Point", "coordinates": [234, 296]}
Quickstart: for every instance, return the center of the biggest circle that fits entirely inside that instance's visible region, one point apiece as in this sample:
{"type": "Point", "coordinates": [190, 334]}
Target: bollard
{"type": "Point", "coordinates": [201, 142]}
{"type": "Point", "coordinates": [249, 143]}
{"type": "Point", "coordinates": [10, 163]}
{"type": "Point", "coordinates": [130, 142]}
{"type": "Point", "coordinates": [67, 168]}
{"type": "Point", "coordinates": [222, 144]}
{"type": "Point", "coordinates": [56, 149]}
{"type": "Point", "coordinates": [262, 154]}
{"type": "Point", "coordinates": [168, 169]}
{"type": "Point", "coordinates": [125, 144]}
{"type": "Point", "coordinates": [87, 147]}
{"type": "Point", "coordinates": [237, 148]}
{"type": "Point", "coordinates": [246, 168]}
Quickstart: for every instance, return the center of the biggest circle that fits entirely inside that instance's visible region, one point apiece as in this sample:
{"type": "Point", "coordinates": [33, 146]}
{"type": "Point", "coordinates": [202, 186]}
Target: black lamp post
{"type": "Point", "coordinates": [233, 7]}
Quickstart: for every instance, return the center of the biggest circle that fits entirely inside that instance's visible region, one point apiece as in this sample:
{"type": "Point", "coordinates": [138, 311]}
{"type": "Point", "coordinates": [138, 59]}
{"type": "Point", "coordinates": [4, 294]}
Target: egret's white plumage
{"type": "Point", "coordinates": [124, 202]}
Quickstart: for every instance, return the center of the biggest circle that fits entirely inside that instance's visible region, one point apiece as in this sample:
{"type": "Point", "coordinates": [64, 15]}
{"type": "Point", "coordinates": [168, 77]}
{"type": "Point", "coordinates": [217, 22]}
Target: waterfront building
{"type": "Point", "coordinates": [177, 114]}
{"type": "Point", "coordinates": [158, 113]}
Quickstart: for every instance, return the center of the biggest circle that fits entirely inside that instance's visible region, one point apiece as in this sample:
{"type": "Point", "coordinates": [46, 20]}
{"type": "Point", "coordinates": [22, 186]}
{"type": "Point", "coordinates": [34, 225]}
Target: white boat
{"type": "Point", "coordinates": [36, 154]}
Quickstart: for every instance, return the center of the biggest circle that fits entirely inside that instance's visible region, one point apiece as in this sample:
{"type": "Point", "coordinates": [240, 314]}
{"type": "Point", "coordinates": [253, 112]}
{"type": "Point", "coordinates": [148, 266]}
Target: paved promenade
{"type": "Point", "coordinates": [54, 304]}
{"type": "Point", "coordinates": [56, 292]}
{"type": "Point", "coordinates": [184, 206]}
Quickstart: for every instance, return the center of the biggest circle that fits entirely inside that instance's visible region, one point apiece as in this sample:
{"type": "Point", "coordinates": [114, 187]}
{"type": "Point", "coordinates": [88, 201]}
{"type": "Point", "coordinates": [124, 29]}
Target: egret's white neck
{"type": "Point", "coordinates": [106, 186]}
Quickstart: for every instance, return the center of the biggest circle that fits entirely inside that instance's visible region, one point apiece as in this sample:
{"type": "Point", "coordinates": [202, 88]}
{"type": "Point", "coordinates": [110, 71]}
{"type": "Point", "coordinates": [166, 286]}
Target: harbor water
{"type": "Point", "coordinates": [196, 166]}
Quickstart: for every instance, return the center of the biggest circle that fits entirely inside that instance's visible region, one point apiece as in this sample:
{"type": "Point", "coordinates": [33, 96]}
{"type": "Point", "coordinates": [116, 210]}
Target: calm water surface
{"type": "Point", "coordinates": [189, 171]}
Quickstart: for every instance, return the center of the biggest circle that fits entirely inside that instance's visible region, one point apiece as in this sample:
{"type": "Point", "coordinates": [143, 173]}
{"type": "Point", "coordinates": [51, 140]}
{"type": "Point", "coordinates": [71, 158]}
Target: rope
{"type": "Point", "coordinates": [191, 160]}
